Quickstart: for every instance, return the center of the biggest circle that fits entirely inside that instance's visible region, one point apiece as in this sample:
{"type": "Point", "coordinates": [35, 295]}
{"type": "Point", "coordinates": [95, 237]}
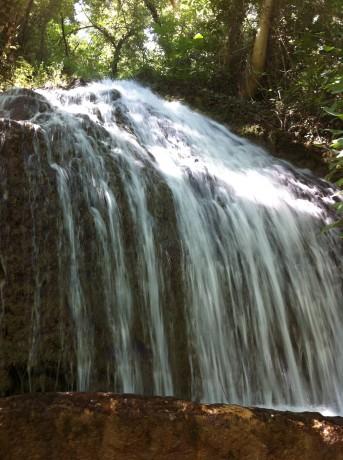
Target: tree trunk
{"type": "Point", "coordinates": [8, 24]}
{"type": "Point", "coordinates": [117, 53]}
{"type": "Point", "coordinates": [259, 54]}
{"type": "Point", "coordinates": [13, 15]}
{"type": "Point", "coordinates": [42, 50]}
{"type": "Point", "coordinates": [150, 5]}
{"type": "Point", "coordinates": [232, 55]}
{"type": "Point", "coordinates": [24, 30]}
{"type": "Point", "coordinates": [64, 38]}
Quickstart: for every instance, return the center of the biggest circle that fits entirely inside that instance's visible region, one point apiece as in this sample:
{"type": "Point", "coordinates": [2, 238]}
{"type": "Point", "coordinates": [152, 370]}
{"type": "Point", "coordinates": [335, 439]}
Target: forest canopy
{"type": "Point", "coordinates": [288, 46]}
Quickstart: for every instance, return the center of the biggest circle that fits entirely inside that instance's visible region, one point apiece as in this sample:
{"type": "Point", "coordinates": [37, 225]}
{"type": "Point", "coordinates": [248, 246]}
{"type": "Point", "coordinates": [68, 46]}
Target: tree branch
{"type": "Point", "coordinates": [153, 11]}
{"type": "Point", "coordinates": [64, 37]}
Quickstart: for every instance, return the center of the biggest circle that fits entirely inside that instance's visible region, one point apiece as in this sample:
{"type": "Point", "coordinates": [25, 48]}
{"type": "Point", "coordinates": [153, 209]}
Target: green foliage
{"type": "Point", "coordinates": [306, 55]}
{"type": "Point", "coordinates": [336, 163]}
{"type": "Point", "coordinates": [185, 39]}
{"type": "Point", "coordinates": [204, 42]}
{"type": "Point", "coordinates": [27, 76]}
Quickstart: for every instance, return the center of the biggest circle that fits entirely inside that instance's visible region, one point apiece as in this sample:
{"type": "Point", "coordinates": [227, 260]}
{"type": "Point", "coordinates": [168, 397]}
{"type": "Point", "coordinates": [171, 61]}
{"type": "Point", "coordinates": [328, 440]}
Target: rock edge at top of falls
{"type": "Point", "coordinates": [107, 426]}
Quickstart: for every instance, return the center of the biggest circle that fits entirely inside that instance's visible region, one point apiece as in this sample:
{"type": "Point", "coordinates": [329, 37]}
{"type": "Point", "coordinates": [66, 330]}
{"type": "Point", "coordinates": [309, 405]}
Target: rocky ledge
{"type": "Point", "coordinates": [105, 426]}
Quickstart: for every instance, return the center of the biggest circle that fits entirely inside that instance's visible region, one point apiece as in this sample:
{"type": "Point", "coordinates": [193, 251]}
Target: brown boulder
{"type": "Point", "coordinates": [105, 426]}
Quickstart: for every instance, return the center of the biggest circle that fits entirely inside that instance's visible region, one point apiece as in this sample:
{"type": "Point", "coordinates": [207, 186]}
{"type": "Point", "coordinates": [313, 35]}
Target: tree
{"type": "Point", "coordinates": [114, 24]}
{"type": "Point", "coordinates": [14, 16]}
{"type": "Point", "coordinates": [198, 43]}
{"type": "Point", "coordinates": [231, 15]}
{"type": "Point", "coordinates": [257, 61]}
{"type": "Point", "coordinates": [151, 7]}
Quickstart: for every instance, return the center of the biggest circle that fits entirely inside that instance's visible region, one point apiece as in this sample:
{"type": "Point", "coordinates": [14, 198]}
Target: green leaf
{"type": "Point", "coordinates": [331, 111]}
{"type": "Point", "coordinates": [337, 144]}
{"type": "Point", "coordinates": [335, 132]}
{"type": "Point", "coordinates": [328, 48]}
{"type": "Point", "coordinates": [336, 88]}
{"type": "Point", "coordinates": [338, 206]}
{"type": "Point", "coordinates": [337, 224]}
{"type": "Point", "coordinates": [198, 37]}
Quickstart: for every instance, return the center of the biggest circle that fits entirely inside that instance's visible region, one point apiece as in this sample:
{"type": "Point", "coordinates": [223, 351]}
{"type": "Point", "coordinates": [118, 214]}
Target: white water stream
{"type": "Point", "coordinates": [259, 290]}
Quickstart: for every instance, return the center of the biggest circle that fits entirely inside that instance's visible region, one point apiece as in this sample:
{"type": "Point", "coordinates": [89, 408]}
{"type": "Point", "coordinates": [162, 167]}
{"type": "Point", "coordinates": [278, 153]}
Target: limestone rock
{"type": "Point", "coordinates": [29, 292]}
{"type": "Point", "coordinates": [22, 104]}
{"type": "Point", "coordinates": [105, 426]}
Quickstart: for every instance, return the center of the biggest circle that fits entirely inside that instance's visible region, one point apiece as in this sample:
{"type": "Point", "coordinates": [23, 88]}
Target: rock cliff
{"type": "Point", "coordinates": [146, 249]}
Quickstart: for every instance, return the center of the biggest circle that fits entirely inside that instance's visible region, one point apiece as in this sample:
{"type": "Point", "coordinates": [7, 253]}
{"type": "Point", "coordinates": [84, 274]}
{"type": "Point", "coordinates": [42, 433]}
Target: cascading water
{"type": "Point", "coordinates": [193, 263]}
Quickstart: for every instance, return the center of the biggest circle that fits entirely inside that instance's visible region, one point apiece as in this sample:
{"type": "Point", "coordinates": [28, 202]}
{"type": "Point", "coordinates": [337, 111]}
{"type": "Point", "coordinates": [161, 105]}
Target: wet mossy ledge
{"type": "Point", "coordinates": [106, 426]}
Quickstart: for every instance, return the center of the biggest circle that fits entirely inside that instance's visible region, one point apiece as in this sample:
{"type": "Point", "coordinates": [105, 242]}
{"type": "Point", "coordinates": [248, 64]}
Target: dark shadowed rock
{"type": "Point", "coordinates": [22, 104]}
{"type": "Point", "coordinates": [77, 82]}
{"type": "Point", "coordinates": [28, 207]}
{"type": "Point", "coordinates": [104, 426]}
{"type": "Point", "coordinates": [112, 95]}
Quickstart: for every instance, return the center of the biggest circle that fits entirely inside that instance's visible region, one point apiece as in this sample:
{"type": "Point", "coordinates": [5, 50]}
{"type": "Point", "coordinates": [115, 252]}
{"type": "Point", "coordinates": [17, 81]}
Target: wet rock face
{"type": "Point", "coordinates": [101, 286]}
{"type": "Point", "coordinates": [37, 329]}
{"type": "Point", "coordinates": [98, 426]}
{"type": "Point", "coordinates": [77, 82]}
{"type": "Point", "coordinates": [29, 290]}
{"type": "Point", "coordinates": [22, 104]}
{"type": "Point", "coordinates": [112, 95]}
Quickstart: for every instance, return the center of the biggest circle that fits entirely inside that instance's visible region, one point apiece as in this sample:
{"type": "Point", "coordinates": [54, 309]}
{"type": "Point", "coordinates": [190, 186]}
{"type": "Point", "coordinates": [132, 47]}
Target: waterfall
{"type": "Point", "coordinates": [192, 262]}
